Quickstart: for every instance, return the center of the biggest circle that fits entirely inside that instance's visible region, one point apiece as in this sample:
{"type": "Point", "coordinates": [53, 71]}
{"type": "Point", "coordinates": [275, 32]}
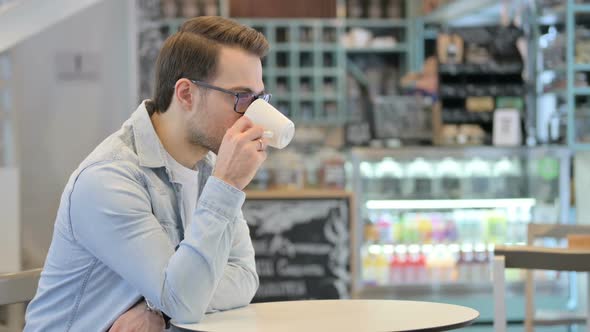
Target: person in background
{"type": "Point", "coordinates": [150, 226]}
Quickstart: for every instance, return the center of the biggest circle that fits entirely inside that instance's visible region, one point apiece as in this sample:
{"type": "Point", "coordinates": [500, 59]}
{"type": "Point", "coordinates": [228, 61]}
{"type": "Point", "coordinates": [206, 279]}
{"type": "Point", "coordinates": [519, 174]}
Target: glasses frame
{"type": "Point", "coordinates": [237, 95]}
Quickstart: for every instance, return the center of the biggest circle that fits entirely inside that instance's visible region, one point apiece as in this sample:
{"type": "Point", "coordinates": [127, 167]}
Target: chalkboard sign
{"type": "Point", "coordinates": [303, 244]}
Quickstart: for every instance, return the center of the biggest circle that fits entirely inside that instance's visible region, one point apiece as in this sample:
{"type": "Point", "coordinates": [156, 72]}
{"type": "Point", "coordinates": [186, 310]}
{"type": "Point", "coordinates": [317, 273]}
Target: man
{"type": "Point", "coordinates": [149, 225]}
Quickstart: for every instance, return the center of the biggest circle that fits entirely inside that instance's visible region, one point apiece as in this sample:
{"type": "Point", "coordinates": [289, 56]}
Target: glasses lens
{"type": "Point", "coordinates": [244, 100]}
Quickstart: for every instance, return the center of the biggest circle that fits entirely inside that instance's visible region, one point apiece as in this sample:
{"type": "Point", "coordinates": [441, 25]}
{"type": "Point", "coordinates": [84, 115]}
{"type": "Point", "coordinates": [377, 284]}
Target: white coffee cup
{"type": "Point", "coordinates": [265, 115]}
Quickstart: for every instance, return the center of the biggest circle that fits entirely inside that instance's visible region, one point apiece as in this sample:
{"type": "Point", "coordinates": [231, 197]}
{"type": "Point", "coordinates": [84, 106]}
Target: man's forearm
{"type": "Point", "coordinates": [236, 288]}
{"type": "Point", "coordinates": [239, 282]}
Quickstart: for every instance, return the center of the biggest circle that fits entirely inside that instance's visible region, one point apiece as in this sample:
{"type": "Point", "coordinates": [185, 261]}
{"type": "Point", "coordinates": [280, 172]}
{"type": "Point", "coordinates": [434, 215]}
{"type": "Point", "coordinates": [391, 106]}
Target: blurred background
{"type": "Point", "coordinates": [428, 131]}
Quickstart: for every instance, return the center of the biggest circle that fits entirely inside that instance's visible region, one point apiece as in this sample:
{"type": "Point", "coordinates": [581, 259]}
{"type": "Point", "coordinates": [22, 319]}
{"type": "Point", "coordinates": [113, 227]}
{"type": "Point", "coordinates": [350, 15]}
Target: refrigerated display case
{"type": "Point", "coordinates": [429, 219]}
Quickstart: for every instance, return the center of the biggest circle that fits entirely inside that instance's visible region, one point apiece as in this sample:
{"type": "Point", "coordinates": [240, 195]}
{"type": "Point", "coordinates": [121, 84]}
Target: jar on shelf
{"type": "Point", "coordinates": [390, 174]}
{"type": "Point", "coordinates": [419, 176]}
{"type": "Point", "coordinates": [288, 170]}
{"type": "Point", "coordinates": [369, 183]}
{"type": "Point", "coordinates": [507, 174]}
{"type": "Point", "coordinates": [478, 174]}
{"type": "Point", "coordinates": [169, 8]}
{"type": "Point", "coordinates": [449, 175]}
{"type": "Point", "coordinates": [211, 8]}
{"type": "Point", "coordinates": [332, 172]}
{"type": "Point", "coordinates": [190, 8]}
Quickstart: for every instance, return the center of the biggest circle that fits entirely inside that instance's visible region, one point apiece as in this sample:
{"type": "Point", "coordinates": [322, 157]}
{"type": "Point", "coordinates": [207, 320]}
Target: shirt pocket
{"type": "Point", "coordinates": [165, 210]}
{"type": "Point", "coordinates": [173, 230]}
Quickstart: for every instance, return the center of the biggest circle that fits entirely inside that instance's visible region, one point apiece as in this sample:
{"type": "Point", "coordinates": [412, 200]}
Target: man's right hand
{"type": "Point", "coordinates": [139, 319]}
{"type": "Point", "coordinates": [239, 156]}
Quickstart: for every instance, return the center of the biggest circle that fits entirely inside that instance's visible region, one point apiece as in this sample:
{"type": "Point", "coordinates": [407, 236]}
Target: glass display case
{"type": "Point", "coordinates": [430, 217]}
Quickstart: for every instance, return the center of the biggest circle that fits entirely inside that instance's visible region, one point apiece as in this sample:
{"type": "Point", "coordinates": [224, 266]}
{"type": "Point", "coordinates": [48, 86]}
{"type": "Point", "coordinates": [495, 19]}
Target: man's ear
{"type": "Point", "coordinates": [182, 92]}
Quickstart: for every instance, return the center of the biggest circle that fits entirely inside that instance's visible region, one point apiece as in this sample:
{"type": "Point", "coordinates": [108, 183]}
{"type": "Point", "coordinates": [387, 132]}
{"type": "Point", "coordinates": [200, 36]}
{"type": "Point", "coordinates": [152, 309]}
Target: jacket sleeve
{"type": "Point", "coordinates": [110, 213]}
{"type": "Point", "coordinates": [239, 282]}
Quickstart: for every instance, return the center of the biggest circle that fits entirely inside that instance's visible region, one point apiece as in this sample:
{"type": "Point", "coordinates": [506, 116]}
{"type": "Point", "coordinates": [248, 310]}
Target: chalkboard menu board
{"type": "Point", "coordinates": [303, 244]}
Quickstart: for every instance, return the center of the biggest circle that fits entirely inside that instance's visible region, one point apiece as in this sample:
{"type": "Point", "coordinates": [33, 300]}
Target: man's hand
{"type": "Point", "coordinates": [139, 319]}
{"type": "Point", "coordinates": [240, 153]}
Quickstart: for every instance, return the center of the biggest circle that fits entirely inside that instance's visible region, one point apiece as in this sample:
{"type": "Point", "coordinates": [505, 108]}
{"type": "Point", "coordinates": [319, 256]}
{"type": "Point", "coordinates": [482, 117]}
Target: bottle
{"type": "Point", "coordinates": [391, 174]}
{"type": "Point", "coordinates": [433, 263]}
{"type": "Point", "coordinates": [384, 225]}
{"type": "Point", "coordinates": [398, 231]}
{"type": "Point", "coordinates": [382, 268]}
{"type": "Point", "coordinates": [451, 230]}
{"type": "Point", "coordinates": [449, 175]}
{"type": "Point", "coordinates": [354, 9]}
{"type": "Point", "coordinates": [375, 9]}
{"type": "Point", "coordinates": [289, 170]}
{"type": "Point", "coordinates": [420, 173]}
{"type": "Point", "coordinates": [425, 229]}
{"type": "Point", "coordinates": [465, 263]}
{"type": "Point", "coordinates": [401, 255]}
{"type": "Point", "coordinates": [211, 8]}
{"type": "Point", "coordinates": [446, 263]}
{"type": "Point", "coordinates": [394, 9]}
{"type": "Point", "coordinates": [497, 227]}
{"type": "Point", "coordinates": [416, 265]}
{"type": "Point", "coordinates": [190, 8]}
{"type": "Point", "coordinates": [501, 174]}
{"type": "Point", "coordinates": [394, 270]}
{"type": "Point", "coordinates": [332, 173]}
{"type": "Point", "coordinates": [437, 229]}
{"type": "Point", "coordinates": [369, 275]}
{"type": "Point", "coordinates": [371, 231]}
{"type": "Point", "coordinates": [421, 263]}
{"type": "Point", "coordinates": [169, 8]}
{"type": "Point", "coordinates": [481, 269]}
{"type": "Point", "coordinates": [411, 229]}
{"type": "Point", "coordinates": [368, 179]}
{"type": "Point", "coordinates": [516, 185]}
{"type": "Point", "coordinates": [478, 174]}
{"type": "Point", "coordinates": [426, 252]}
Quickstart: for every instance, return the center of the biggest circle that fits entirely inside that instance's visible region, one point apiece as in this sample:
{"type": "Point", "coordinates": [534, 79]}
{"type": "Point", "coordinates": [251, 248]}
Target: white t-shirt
{"type": "Point", "coordinates": [189, 178]}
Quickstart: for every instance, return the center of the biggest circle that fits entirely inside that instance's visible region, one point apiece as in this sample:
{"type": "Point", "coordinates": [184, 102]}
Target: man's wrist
{"type": "Point", "coordinates": [152, 309]}
{"type": "Point", "coordinates": [226, 181]}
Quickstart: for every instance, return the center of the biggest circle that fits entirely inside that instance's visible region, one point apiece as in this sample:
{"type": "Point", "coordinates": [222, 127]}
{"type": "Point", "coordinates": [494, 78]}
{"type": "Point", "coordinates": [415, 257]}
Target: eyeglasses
{"type": "Point", "coordinates": [242, 99]}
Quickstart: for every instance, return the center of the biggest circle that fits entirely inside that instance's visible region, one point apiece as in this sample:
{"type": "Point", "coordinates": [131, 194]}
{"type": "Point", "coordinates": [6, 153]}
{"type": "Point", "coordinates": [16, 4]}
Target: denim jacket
{"type": "Point", "coordinates": [120, 234]}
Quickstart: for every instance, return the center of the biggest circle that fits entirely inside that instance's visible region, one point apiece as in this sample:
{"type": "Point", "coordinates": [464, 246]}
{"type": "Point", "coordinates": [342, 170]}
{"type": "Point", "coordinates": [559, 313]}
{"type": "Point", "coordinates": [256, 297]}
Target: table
{"type": "Point", "coordinates": [338, 315]}
{"type": "Point", "coordinates": [530, 257]}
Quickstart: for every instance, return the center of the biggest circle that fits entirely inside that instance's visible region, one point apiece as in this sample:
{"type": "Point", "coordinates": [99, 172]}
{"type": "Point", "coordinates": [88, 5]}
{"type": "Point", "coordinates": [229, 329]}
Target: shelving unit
{"type": "Point", "coordinates": [575, 120]}
{"type": "Point", "coordinates": [305, 68]}
{"type": "Point", "coordinates": [456, 13]}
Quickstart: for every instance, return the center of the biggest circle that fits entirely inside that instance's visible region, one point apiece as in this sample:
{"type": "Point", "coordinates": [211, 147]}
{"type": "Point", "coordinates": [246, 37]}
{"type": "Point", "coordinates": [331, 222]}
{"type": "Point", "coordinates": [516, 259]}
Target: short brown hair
{"type": "Point", "coordinates": [192, 52]}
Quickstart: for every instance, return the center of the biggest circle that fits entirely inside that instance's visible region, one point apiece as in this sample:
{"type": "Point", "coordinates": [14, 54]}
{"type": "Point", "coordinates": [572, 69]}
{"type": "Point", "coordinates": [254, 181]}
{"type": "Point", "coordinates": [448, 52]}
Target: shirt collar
{"type": "Point", "coordinates": [150, 150]}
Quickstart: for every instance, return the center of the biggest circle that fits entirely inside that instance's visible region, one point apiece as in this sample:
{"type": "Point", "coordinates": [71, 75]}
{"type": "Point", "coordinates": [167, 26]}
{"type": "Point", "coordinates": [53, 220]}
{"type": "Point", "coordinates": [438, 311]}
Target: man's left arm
{"type": "Point", "coordinates": [236, 288]}
{"type": "Point", "coordinates": [240, 281]}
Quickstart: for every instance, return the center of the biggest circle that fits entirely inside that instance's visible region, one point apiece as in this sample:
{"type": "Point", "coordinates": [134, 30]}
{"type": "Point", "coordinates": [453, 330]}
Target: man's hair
{"type": "Point", "coordinates": [193, 52]}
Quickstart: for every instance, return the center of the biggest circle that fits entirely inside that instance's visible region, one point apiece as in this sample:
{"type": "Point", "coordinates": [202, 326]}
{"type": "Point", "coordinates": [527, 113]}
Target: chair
{"type": "Point", "coordinates": [530, 258]}
{"type": "Point", "coordinates": [17, 288]}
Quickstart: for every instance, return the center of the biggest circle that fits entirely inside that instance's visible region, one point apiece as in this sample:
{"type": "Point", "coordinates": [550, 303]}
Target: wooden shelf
{"type": "Point", "coordinates": [304, 193]}
{"type": "Point", "coordinates": [558, 259]}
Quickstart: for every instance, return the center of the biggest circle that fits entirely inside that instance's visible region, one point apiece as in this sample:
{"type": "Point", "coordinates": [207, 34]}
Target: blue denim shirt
{"type": "Point", "coordinates": [116, 231]}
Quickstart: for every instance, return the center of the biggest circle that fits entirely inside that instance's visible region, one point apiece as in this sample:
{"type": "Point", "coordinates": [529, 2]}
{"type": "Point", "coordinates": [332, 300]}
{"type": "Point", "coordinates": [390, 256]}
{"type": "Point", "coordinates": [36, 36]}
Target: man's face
{"type": "Point", "coordinates": [213, 115]}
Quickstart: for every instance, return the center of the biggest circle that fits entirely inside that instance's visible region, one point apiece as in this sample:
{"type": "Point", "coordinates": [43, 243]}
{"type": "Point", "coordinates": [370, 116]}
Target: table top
{"type": "Point", "coordinates": [338, 315]}
{"type": "Point", "coordinates": [531, 257]}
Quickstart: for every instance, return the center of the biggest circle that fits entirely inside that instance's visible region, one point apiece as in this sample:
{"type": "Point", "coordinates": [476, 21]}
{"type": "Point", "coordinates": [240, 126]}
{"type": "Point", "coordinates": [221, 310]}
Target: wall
{"type": "Point", "coordinates": [65, 106]}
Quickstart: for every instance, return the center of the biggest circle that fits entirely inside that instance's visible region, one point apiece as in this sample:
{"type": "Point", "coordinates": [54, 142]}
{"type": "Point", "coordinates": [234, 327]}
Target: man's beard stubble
{"type": "Point", "coordinates": [199, 138]}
